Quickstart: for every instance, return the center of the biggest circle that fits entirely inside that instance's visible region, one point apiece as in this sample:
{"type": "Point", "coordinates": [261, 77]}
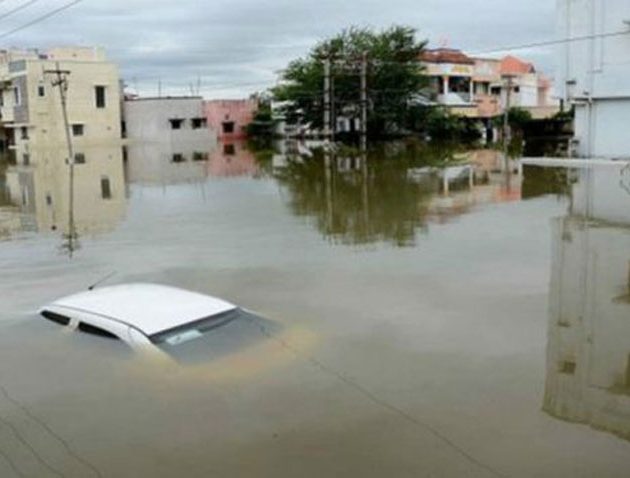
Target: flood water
{"type": "Point", "coordinates": [436, 314]}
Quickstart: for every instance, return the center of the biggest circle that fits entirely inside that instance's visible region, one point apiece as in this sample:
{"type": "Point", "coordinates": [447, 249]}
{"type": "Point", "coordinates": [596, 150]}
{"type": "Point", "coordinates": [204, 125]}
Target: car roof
{"type": "Point", "coordinates": [150, 308]}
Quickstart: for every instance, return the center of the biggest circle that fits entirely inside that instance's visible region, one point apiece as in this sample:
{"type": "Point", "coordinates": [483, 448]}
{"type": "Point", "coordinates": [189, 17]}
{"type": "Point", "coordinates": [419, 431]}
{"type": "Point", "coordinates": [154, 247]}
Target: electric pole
{"type": "Point", "coordinates": [364, 102]}
{"type": "Point", "coordinates": [327, 98]}
{"type": "Point", "coordinates": [61, 81]}
{"type": "Point", "coordinates": [507, 130]}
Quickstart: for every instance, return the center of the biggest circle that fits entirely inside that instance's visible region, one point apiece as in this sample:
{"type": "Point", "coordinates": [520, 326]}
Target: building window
{"type": "Point", "coordinates": [229, 149]}
{"type": "Point", "coordinates": [106, 188]}
{"type": "Point", "coordinates": [176, 123]}
{"type": "Point", "coordinates": [179, 158]}
{"type": "Point", "coordinates": [199, 123]}
{"type": "Point", "coordinates": [26, 159]}
{"type": "Point", "coordinates": [517, 89]}
{"type": "Point", "coordinates": [17, 96]}
{"type": "Point", "coordinates": [78, 130]}
{"type": "Point", "coordinates": [79, 158]}
{"type": "Point", "coordinates": [199, 156]}
{"type": "Point", "coordinates": [495, 90]}
{"type": "Point", "coordinates": [228, 127]}
{"type": "Point", "coordinates": [100, 94]}
{"type": "Point", "coordinates": [24, 132]}
{"type": "Point", "coordinates": [41, 91]}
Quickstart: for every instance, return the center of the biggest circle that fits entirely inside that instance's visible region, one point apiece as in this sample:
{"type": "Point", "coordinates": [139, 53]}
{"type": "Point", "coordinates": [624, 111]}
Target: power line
{"type": "Point", "coordinates": [41, 18]}
{"type": "Point", "coordinates": [20, 7]}
{"type": "Point", "coordinates": [553, 42]}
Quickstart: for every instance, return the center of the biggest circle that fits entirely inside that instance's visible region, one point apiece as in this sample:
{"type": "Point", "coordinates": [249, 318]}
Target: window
{"type": "Point", "coordinates": [199, 156]}
{"type": "Point", "coordinates": [199, 123]}
{"type": "Point", "coordinates": [26, 159]}
{"type": "Point", "coordinates": [178, 158]}
{"type": "Point", "coordinates": [78, 130]}
{"type": "Point", "coordinates": [79, 158]}
{"type": "Point", "coordinates": [41, 91]}
{"type": "Point", "coordinates": [517, 89]}
{"type": "Point", "coordinates": [24, 132]}
{"type": "Point", "coordinates": [229, 149]}
{"type": "Point", "coordinates": [56, 318]}
{"type": "Point", "coordinates": [106, 188]}
{"type": "Point", "coordinates": [17, 97]}
{"type": "Point", "coordinates": [176, 123]}
{"type": "Point", "coordinates": [568, 367]}
{"type": "Point", "coordinates": [100, 94]}
{"type": "Point", "coordinates": [93, 330]}
{"type": "Point", "coordinates": [228, 127]}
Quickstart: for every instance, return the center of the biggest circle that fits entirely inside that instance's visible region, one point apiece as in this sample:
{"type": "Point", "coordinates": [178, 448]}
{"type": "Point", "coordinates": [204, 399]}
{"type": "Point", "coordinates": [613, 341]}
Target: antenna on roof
{"type": "Point", "coordinates": [107, 277]}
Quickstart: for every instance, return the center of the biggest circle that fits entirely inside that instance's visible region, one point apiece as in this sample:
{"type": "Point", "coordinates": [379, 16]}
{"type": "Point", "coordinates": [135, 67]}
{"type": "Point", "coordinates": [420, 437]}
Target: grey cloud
{"type": "Point", "coordinates": [236, 46]}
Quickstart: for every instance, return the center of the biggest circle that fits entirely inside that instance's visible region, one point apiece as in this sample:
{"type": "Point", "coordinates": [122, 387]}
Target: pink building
{"type": "Point", "coordinates": [229, 118]}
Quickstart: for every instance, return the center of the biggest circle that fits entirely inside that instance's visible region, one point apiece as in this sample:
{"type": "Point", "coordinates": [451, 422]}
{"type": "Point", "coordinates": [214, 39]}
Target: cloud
{"type": "Point", "coordinates": [236, 47]}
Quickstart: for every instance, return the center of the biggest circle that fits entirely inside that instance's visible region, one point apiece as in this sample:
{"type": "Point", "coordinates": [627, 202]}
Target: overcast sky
{"type": "Point", "coordinates": [237, 47]}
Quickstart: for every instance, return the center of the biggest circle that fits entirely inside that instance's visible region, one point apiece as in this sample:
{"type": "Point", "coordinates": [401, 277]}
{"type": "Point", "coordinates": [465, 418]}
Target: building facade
{"type": "Point", "coordinates": [230, 118]}
{"type": "Point", "coordinates": [484, 87]}
{"type": "Point", "coordinates": [30, 106]}
{"type": "Point", "coordinates": [593, 71]}
{"type": "Point", "coordinates": [168, 129]}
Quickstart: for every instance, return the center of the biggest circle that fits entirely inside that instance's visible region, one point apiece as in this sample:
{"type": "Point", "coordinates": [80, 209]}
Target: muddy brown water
{"type": "Point", "coordinates": [429, 322]}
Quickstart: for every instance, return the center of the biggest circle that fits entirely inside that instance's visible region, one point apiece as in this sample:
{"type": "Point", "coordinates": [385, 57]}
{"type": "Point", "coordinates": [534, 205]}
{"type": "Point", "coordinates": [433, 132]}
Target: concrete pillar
{"type": "Point", "coordinates": [446, 86]}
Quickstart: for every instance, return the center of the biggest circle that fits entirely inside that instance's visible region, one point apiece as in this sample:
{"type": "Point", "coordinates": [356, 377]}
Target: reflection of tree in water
{"type": "Point", "coordinates": [359, 200]}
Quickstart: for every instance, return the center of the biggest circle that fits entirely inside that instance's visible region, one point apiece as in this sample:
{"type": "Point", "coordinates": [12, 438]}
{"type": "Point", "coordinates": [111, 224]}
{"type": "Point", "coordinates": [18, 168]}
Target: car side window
{"type": "Point", "coordinates": [93, 330]}
{"type": "Point", "coordinates": [56, 318]}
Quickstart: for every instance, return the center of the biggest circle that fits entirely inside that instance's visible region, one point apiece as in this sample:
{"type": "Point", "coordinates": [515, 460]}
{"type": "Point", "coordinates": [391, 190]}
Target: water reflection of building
{"type": "Point", "coordinates": [233, 159]}
{"type": "Point", "coordinates": [588, 357]}
{"type": "Point", "coordinates": [40, 192]}
{"type": "Point", "coordinates": [155, 163]}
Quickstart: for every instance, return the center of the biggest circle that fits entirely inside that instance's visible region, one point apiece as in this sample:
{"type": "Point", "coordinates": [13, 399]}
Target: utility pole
{"type": "Point", "coordinates": [61, 81]}
{"type": "Point", "coordinates": [327, 97]}
{"type": "Point", "coordinates": [364, 102]}
{"type": "Point", "coordinates": [507, 131]}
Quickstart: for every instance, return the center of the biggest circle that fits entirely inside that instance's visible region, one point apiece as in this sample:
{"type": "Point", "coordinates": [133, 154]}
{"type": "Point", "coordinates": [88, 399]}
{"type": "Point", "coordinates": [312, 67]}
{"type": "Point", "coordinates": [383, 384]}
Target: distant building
{"type": "Point", "coordinates": [167, 130]}
{"type": "Point", "coordinates": [478, 87]}
{"type": "Point", "coordinates": [31, 113]}
{"type": "Point", "coordinates": [593, 73]}
{"type": "Point", "coordinates": [230, 117]}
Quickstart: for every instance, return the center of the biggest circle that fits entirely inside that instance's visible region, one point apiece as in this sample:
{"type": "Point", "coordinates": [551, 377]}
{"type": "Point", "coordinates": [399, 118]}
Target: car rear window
{"type": "Point", "coordinates": [196, 329]}
{"type": "Point", "coordinates": [56, 318]}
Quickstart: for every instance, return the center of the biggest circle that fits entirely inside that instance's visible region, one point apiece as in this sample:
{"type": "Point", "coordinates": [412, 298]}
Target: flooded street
{"type": "Point", "coordinates": [435, 314]}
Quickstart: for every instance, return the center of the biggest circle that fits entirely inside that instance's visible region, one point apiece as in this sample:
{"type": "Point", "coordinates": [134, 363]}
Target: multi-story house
{"type": "Point", "coordinates": [31, 111]}
{"type": "Point", "coordinates": [593, 67]}
{"type": "Point", "coordinates": [482, 88]}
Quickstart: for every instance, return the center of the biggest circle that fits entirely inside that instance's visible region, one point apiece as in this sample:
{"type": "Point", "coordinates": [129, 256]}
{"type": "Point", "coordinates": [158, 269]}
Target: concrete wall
{"type": "Point", "coordinates": [596, 70]}
{"type": "Point", "coordinates": [149, 120]}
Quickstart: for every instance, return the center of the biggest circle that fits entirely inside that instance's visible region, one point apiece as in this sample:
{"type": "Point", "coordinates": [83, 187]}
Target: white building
{"type": "Point", "coordinates": [593, 73]}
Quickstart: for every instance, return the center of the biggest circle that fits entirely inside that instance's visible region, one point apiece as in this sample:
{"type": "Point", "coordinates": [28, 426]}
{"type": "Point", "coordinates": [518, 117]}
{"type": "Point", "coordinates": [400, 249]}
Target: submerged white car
{"type": "Point", "coordinates": [156, 316]}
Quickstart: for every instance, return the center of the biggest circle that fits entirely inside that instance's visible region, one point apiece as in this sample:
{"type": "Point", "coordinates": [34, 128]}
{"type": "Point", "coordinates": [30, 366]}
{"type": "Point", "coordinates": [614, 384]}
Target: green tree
{"type": "Point", "coordinates": [395, 76]}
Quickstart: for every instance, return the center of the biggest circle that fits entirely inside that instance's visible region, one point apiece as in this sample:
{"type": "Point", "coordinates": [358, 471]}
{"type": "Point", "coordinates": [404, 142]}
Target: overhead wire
{"type": "Point", "coordinates": [19, 8]}
{"type": "Point", "coordinates": [41, 18]}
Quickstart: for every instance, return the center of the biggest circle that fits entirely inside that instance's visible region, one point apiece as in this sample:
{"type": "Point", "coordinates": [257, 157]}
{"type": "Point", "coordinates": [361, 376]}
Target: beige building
{"type": "Point", "coordinates": [31, 113]}
{"type": "Point", "coordinates": [482, 87]}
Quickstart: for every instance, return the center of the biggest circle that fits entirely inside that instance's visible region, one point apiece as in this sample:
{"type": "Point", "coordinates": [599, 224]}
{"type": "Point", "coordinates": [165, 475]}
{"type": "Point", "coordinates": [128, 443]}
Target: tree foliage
{"type": "Point", "coordinates": [394, 76]}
